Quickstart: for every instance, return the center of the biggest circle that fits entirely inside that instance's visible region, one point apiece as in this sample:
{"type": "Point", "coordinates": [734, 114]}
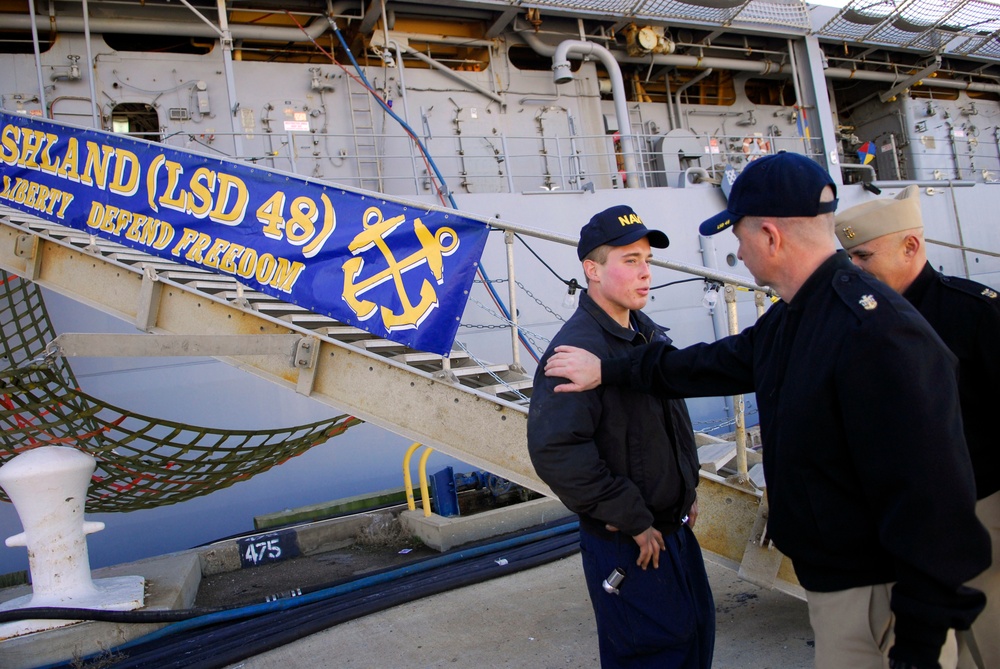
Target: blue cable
{"type": "Point", "coordinates": [430, 161]}
{"type": "Point", "coordinates": [394, 115]}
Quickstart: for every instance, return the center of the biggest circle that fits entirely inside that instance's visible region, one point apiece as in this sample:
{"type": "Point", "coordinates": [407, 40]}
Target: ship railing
{"type": "Point", "coordinates": [567, 162]}
{"type": "Point", "coordinates": [929, 176]}
{"type": "Point", "coordinates": [502, 163]}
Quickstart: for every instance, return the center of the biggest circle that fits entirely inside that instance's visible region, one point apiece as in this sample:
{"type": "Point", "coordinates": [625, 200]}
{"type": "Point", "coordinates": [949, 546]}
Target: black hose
{"type": "Point", "coordinates": [104, 616]}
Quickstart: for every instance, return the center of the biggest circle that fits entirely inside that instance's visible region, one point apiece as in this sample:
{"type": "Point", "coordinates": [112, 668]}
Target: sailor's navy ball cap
{"type": "Point", "coordinates": [617, 226]}
{"type": "Point", "coordinates": [782, 185]}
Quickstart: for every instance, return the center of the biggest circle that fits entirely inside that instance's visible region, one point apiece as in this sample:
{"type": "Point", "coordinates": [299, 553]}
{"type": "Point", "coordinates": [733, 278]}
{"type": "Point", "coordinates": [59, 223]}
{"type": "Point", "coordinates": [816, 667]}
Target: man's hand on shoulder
{"type": "Point", "coordinates": [582, 368]}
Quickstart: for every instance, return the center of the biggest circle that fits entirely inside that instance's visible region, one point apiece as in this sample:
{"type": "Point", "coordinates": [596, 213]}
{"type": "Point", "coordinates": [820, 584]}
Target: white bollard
{"type": "Point", "coordinates": [48, 487]}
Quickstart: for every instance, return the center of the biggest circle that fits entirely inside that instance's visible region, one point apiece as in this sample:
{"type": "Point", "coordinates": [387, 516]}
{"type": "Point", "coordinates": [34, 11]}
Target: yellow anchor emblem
{"type": "Point", "coordinates": [433, 248]}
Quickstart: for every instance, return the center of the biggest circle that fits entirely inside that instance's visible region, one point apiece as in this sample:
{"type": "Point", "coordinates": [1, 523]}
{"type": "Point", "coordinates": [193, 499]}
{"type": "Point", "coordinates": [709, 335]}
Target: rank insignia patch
{"type": "Point", "coordinates": [868, 302]}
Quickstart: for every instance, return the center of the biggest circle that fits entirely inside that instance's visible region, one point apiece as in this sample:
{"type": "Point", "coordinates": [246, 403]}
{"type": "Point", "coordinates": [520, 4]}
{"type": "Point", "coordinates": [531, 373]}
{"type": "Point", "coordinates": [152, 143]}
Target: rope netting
{"type": "Point", "coordinates": [142, 462]}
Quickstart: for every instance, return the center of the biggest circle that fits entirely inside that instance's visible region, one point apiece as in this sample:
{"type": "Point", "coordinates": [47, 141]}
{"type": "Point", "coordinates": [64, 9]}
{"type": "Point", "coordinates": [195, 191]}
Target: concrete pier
{"type": "Point", "coordinates": [542, 618]}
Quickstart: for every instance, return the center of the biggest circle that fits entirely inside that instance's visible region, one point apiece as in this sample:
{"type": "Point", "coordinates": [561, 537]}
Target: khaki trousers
{"type": "Point", "coordinates": [854, 628]}
{"type": "Point", "coordinates": [984, 636]}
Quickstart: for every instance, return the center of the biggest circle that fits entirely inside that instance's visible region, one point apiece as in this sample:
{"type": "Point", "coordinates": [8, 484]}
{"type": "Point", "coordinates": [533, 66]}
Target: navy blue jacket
{"type": "Point", "coordinates": [966, 315]}
{"type": "Point", "coordinates": [612, 455]}
{"type": "Point", "coordinates": [868, 476]}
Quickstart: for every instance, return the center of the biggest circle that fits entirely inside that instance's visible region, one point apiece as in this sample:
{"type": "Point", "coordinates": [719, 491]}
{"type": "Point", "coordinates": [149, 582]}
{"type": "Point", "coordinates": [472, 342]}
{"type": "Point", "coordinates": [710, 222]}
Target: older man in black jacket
{"type": "Point", "coordinates": [625, 461]}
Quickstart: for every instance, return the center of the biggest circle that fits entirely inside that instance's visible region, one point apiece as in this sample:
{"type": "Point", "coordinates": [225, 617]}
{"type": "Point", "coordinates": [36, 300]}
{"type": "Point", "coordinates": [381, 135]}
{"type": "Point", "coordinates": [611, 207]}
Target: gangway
{"type": "Point", "coordinates": [377, 380]}
{"type": "Point", "coordinates": [473, 411]}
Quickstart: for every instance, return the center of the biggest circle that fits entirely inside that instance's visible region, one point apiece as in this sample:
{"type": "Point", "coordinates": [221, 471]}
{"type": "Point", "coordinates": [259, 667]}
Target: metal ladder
{"type": "Point", "coordinates": [365, 149]}
{"type": "Point", "coordinates": [641, 143]}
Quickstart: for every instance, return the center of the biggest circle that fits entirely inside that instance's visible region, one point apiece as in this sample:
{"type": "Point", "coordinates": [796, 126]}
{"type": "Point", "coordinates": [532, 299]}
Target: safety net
{"type": "Point", "coordinates": [142, 462]}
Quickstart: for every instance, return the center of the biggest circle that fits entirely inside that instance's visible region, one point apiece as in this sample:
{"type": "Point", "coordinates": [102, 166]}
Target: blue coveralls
{"type": "Point", "coordinates": [627, 459]}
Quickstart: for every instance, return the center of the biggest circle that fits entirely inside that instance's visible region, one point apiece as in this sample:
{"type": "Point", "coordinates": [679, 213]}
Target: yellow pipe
{"type": "Point", "coordinates": [407, 479]}
{"type": "Point", "coordinates": [425, 495]}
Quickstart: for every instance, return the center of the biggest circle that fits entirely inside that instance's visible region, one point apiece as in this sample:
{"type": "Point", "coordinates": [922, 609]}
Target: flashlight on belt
{"type": "Point", "coordinates": [613, 580]}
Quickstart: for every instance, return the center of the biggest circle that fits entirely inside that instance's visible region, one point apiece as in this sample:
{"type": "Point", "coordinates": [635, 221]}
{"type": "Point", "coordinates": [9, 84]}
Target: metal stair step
{"type": "Point", "coordinates": [182, 274]}
{"type": "Point", "coordinates": [209, 286]}
{"type": "Point", "coordinates": [130, 256]}
{"type": "Point", "coordinates": [473, 370]}
{"type": "Point", "coordinates": [339, 331]}
{"type": "Point", "coordinates": [509, 387]}
{"type": "Point", "coordinates": [423, 357]}
{"type": "Point", "coordinates": [713, 457]}
{"type": "Point", "coordinates": [309, 320]}
{"type": "Point", "coordinates": [275, 308]}
{"type": "Point", "coordinates": [380, 343]}
{"type": "Point", "coordinates": [251, 296]}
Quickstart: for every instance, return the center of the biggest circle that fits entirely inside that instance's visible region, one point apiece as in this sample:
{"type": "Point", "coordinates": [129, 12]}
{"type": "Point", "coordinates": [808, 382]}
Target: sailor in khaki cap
{"type": "Point", "coordinates": [886, 238]}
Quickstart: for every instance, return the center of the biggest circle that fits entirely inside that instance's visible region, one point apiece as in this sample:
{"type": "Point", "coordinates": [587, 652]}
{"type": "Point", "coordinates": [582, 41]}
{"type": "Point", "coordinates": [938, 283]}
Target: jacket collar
{"type": "Point", "coordinates": [645, 326]}
{"type": "Point", "coordinates": [918, 289]}
{"type": "Point", "coordinates": [821, 277]}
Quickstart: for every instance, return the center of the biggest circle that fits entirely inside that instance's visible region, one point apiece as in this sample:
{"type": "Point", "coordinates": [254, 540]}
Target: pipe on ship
{"type": "Point", "coordinates": [760, 67]}
{"type": "Point", "coordinates": [563, 74]}
{"type": "Point", "coordinates": [141, 26]}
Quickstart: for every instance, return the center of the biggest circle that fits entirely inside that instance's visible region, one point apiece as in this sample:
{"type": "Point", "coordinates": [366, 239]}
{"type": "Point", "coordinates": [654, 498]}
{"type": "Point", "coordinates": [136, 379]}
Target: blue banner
{"type": "Point", "coordinates": [399, 271]}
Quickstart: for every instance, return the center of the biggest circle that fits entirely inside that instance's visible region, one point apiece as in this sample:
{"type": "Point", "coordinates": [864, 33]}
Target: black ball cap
{"type": "Point", "coordinates": [617, 226]}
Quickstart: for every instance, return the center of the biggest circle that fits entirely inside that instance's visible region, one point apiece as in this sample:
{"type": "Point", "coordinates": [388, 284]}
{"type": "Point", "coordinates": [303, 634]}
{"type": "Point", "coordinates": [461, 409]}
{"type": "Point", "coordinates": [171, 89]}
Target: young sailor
{"type": "Point", "coordinates": [625, 461]}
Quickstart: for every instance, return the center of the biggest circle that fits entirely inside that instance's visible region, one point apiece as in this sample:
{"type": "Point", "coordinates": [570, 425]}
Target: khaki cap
{"type": "Point", "coordinates": [870, 220]}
